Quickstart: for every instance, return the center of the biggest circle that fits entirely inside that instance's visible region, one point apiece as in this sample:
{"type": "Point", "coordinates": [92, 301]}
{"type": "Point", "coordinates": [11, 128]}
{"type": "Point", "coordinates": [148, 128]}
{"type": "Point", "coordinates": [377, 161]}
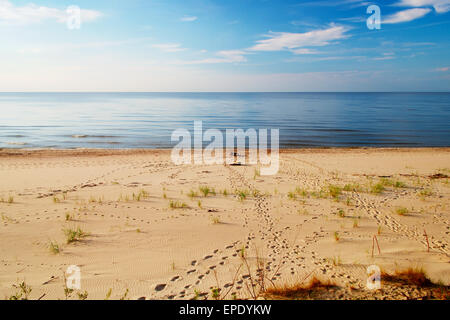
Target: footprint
{"type": "Point", "coordinates": [160, 287]}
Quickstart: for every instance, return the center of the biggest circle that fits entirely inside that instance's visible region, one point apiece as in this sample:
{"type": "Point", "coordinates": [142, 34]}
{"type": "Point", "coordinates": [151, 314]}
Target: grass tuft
{"type": "Point", "coordinates": [54, 247]}
{"type": "Point", "coordinates": [242, 194]}
{"type": "Point", "coordinates": [22, 291]}
{"type": "Point", "coordinates": [401, 211]}
{"type": "Point", "coordinates": [336, 236]}
{"type": "Point", "coordinates": [205, 190]}
{"type": "Point", "coordinates": [73, 235]}
{"type": "Point", "coordinates": [177, 205]}
{"type": "Point", "coordinates": [377, 188]}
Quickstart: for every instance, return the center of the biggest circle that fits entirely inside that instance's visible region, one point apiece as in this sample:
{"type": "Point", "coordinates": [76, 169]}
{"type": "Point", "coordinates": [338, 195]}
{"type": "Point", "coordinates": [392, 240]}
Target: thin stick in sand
{"type": "Point", "coordinates": [426, 237]}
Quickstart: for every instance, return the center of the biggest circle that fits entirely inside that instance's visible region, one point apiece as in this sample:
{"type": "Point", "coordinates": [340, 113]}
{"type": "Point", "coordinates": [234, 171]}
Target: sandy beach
{"type": "Point", "coordinates": [146, 228]}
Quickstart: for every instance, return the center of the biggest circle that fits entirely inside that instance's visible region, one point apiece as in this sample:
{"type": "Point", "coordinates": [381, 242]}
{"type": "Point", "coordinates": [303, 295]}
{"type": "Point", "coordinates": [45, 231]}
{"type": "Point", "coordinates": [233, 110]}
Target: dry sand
{"type": "Point", "coordinates": [158, 252]}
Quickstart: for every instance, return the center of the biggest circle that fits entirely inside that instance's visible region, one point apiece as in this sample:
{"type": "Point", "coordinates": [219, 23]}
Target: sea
{"type": "Point", "coordinates": [147, 120]}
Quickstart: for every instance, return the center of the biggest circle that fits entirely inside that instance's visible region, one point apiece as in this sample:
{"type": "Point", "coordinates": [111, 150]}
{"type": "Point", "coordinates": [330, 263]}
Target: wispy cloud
{"type": "Point", "coordinates": [440, 6]}
{"type": "Point", "coordinates": [334, 3]}
{"type": "Point", "coordinates": [279, 41]}
{"type": "Point", "coordinates": [169, 47]}
{"type": "Point", "coordinates": [305, 51]}
{"type": "Point", "coordinates": [11, 14]}
{"type": "Point", "coordinates": [406, 15]}
{"type": "Point", "coordinates": [444, 69]}
{"type": "Point", "coordinates": [225, 56]}
{"type": "Point", "coordinates": [189, 18]}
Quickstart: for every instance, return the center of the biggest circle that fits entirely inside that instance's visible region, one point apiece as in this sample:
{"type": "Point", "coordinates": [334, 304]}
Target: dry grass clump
{"type": "Point", "coordinates": [415, 276]}
{"type": "Point", "coordinates": [314, 288]}
{"type": "Point", "coordinates": [418, 277]}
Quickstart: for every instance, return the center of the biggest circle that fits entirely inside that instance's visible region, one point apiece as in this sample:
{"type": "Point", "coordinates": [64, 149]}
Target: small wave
{"type": "Point", "coordinates": [79, 136]}
{"type": "Point", "coordinates": [16, 143]}
{"type": "Point", "coordinates": [103, 142]}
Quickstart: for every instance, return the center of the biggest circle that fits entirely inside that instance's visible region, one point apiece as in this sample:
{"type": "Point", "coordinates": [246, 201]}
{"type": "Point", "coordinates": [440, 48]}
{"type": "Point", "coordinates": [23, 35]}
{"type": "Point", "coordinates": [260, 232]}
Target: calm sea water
{"type": "Point", "coordinates": [146, 120]}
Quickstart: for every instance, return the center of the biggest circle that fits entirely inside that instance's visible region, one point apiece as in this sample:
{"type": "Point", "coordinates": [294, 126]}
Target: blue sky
{"type": "Point", "coordinates": [228, 45]}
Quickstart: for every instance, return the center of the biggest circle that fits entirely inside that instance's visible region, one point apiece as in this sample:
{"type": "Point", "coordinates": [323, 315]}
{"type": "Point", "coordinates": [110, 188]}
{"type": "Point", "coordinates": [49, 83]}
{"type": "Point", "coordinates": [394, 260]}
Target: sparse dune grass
{"type": "Point", "coordinates": [392, 183]}
{"type": "Point", "coordinates": [424, 193]}
{"type": "Point", "coordinates": [23, 291]}
{"type": "Point", "coordinates": [336, 261]}
{"type": "Point", "coordinates": [377, 188]}
{"type": "Point", "coordinates": [291, 195]}
{"type": "Point", "coordinates": [300, 290]}
{"type": "Point", "coordinates": [336, 236]}
{"type": "Point", "coordinates": [142, 194]}
{"type": "Point", "coordinates": [177, 205]}
{"type": "Point", "coordinates": [352, 187]}
{"type": "Point", "coordinates": [301, 192]}
{"type": "Point", "coordinates": [256, 174]}
{"type": "Point", "coordinates": [54, 247]}
{"type": "Point", "coordinates": [321, 194]}
{"type": "Point", "coordinates": [205, 190]}
{"type": "Point", "coordinates": [242, 194]}
{"type": "Point", "coordinates": [334, 191]}
{"type": "Point", "coordinates": [402, 211]}
{"type": "Point", "coordinates": [192, 194]}
{"type": "Point", "coordinates": [399, 184]}
{"type": "Point", "coordinates": [74, 234]}
{"type": "Point", "coordinates": [215, 220]}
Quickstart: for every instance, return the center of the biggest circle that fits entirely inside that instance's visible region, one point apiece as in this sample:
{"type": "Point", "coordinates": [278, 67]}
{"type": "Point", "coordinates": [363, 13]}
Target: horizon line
{"type": "Point", "coordinates": [7, 92]}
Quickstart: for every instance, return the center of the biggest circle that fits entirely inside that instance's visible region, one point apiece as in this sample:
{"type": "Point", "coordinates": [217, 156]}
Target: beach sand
{"type": "Point", "coordinates": [294, 225]}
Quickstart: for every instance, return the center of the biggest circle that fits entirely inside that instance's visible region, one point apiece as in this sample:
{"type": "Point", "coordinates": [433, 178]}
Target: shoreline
{"type": "Point", "coordinates": [4, 152]}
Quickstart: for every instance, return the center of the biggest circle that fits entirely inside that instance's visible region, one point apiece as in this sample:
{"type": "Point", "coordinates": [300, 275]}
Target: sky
{"type": "Point", "coordinates": [227, 45]}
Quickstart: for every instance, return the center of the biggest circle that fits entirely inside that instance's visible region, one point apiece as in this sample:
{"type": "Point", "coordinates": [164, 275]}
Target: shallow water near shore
{"type": "Point", "coordinates": [147, 120]}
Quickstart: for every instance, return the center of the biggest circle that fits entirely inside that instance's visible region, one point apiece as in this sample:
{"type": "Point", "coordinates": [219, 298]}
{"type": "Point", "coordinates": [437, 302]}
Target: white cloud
{"type": "Point", "coordinates": [383, 58]}
{"type": "Point", "coordinates": [444, 69]}
{"type": "Point", "coordinates": [406, 15]}
{"type": "Point", "coordinates": [31, 13]}
{"type": "Point", "coordinates": [169, 47]}
{"type": "Point", "coordinates": [440, 6]}
{"type": "Point", "coordinates": [278, 41]}
{"type": "Point", "coordinates": [304, 51]}
{"type": "Point", "coordinates": [189, 18]}
{"type": "Point", "coordinates": [226, 56]}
